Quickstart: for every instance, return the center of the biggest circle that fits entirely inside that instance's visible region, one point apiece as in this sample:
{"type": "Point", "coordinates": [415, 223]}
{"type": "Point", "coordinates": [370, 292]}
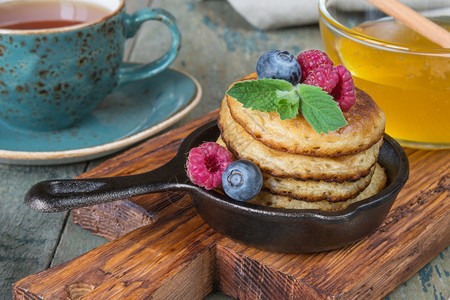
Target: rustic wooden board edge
{"type": "Point", "coordinates": [147, 261]}
{"type": "Point", "coordinates": [111, 220]}
{"type": "Point", "coordinates": [242, 275]}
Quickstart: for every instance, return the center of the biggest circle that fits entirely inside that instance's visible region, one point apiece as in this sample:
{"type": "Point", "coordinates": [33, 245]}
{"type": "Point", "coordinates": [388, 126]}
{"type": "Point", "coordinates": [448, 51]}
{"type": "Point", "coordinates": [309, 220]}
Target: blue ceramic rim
{"type": "Point", "coordinates": [111, 14]}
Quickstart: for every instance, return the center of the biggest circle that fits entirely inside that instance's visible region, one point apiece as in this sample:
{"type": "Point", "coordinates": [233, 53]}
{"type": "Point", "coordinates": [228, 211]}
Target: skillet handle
{"type": "Point", "coordinates": [59, 195]}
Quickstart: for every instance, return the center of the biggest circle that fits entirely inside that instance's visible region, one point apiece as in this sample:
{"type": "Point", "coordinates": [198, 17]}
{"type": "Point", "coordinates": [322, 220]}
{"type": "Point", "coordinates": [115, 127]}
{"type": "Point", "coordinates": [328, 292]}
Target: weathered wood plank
{"type": "Point", "coordinates": [431, 282]}
{"type": "Point", "coordinates": [27, 238]}
{"type": "Point", "coordinates": [74, 241]}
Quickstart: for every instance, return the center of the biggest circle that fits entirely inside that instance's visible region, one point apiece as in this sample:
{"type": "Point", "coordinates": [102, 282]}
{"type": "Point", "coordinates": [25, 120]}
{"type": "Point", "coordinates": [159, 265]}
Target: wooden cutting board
{"type": "Point", "coordinates": [161, 249]}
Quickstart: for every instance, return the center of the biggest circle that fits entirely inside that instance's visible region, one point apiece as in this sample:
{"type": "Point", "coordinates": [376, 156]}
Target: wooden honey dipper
{"type": "Point", "coordinates": [414, 20]}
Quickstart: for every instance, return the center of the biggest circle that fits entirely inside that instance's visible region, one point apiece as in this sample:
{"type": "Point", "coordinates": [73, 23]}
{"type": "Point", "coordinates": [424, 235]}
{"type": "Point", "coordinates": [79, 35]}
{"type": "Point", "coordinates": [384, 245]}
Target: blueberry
{"type": "Point", "coordinates": [279, 64]}
{"type": "Point", "coordinates": [242, 180]}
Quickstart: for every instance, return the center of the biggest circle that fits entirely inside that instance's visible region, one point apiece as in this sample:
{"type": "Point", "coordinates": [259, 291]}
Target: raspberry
{"type": "Point", "coordinates": [311, 59]}
{"type": "Point", "coordinates": [206, 164]}
{"type": "Point", "coordinates": [324, 76]}
{"type": "Point", "coordinates": [344, 92]}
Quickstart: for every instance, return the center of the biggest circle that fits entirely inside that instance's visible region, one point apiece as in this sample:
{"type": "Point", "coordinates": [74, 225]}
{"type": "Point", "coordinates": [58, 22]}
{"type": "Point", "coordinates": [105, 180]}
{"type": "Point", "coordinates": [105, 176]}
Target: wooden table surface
{"type": "Point", "coordinates": [218, 46]}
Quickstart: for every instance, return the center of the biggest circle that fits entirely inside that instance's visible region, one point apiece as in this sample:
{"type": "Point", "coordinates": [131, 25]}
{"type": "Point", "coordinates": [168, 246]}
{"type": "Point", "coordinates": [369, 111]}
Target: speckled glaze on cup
{"type": "Point", "coordinates": [50, 78]}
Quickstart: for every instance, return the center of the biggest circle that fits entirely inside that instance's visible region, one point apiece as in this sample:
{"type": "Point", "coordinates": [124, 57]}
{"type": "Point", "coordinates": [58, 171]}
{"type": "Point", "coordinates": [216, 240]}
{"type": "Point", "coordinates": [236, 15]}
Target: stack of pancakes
{"type": "Point", "coordinates": [301, 168]}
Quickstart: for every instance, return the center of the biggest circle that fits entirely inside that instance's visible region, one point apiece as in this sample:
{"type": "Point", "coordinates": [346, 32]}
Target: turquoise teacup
{"type": "Point", "coordinates": [51, 78]}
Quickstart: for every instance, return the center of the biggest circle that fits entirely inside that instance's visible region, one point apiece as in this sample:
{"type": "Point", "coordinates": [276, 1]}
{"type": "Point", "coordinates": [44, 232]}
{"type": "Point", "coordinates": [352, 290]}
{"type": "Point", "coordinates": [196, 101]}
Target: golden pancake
{"type": "Point", "coordinates": [283, 164]}
{"type": "Point", "coordinates": [312, 191]}
{"type": "Point", "coordinates": [365, 128]}
{"type": "Point", "coordinates": [377, 183]}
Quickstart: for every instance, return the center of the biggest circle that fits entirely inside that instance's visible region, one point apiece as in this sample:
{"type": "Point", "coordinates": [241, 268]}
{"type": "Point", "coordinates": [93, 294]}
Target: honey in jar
{"type": "Point", "coordinates": [410, 86]}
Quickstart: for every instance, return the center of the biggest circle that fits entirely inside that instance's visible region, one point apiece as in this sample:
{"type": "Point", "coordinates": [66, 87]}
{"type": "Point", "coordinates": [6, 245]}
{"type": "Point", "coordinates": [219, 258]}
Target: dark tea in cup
{"type": "Point", "coordinates": [29, 15]}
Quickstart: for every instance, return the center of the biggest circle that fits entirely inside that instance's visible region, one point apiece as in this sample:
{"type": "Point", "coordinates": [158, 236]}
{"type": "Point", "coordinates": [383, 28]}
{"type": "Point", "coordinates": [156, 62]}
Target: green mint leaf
{"type": "Point", "coordinates": [259, 94]}
{"type": "Point", "coordinates": [287, 104]}
{"type": "Point", "coordinates": [268, 95]}
{"type": "Point", "coordinates": [319, 109]}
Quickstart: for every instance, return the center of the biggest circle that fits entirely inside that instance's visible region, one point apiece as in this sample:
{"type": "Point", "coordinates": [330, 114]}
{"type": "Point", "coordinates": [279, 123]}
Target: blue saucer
{"type": "Point", "coordinates": [130, 114]}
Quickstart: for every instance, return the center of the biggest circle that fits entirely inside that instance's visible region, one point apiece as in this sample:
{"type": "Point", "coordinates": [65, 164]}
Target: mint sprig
{"type": "Point", "coordinates": [259, 94]}
{"type": "Point", "coordinates": [274, 95]}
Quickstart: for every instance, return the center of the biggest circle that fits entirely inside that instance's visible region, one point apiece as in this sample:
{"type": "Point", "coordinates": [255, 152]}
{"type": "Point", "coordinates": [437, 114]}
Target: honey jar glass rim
{"type": "Point", "coordinates": [374, 42]}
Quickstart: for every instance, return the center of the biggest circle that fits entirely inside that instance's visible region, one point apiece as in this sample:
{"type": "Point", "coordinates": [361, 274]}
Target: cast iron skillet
{"type": "Point", "coordinates": [273, 229]}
